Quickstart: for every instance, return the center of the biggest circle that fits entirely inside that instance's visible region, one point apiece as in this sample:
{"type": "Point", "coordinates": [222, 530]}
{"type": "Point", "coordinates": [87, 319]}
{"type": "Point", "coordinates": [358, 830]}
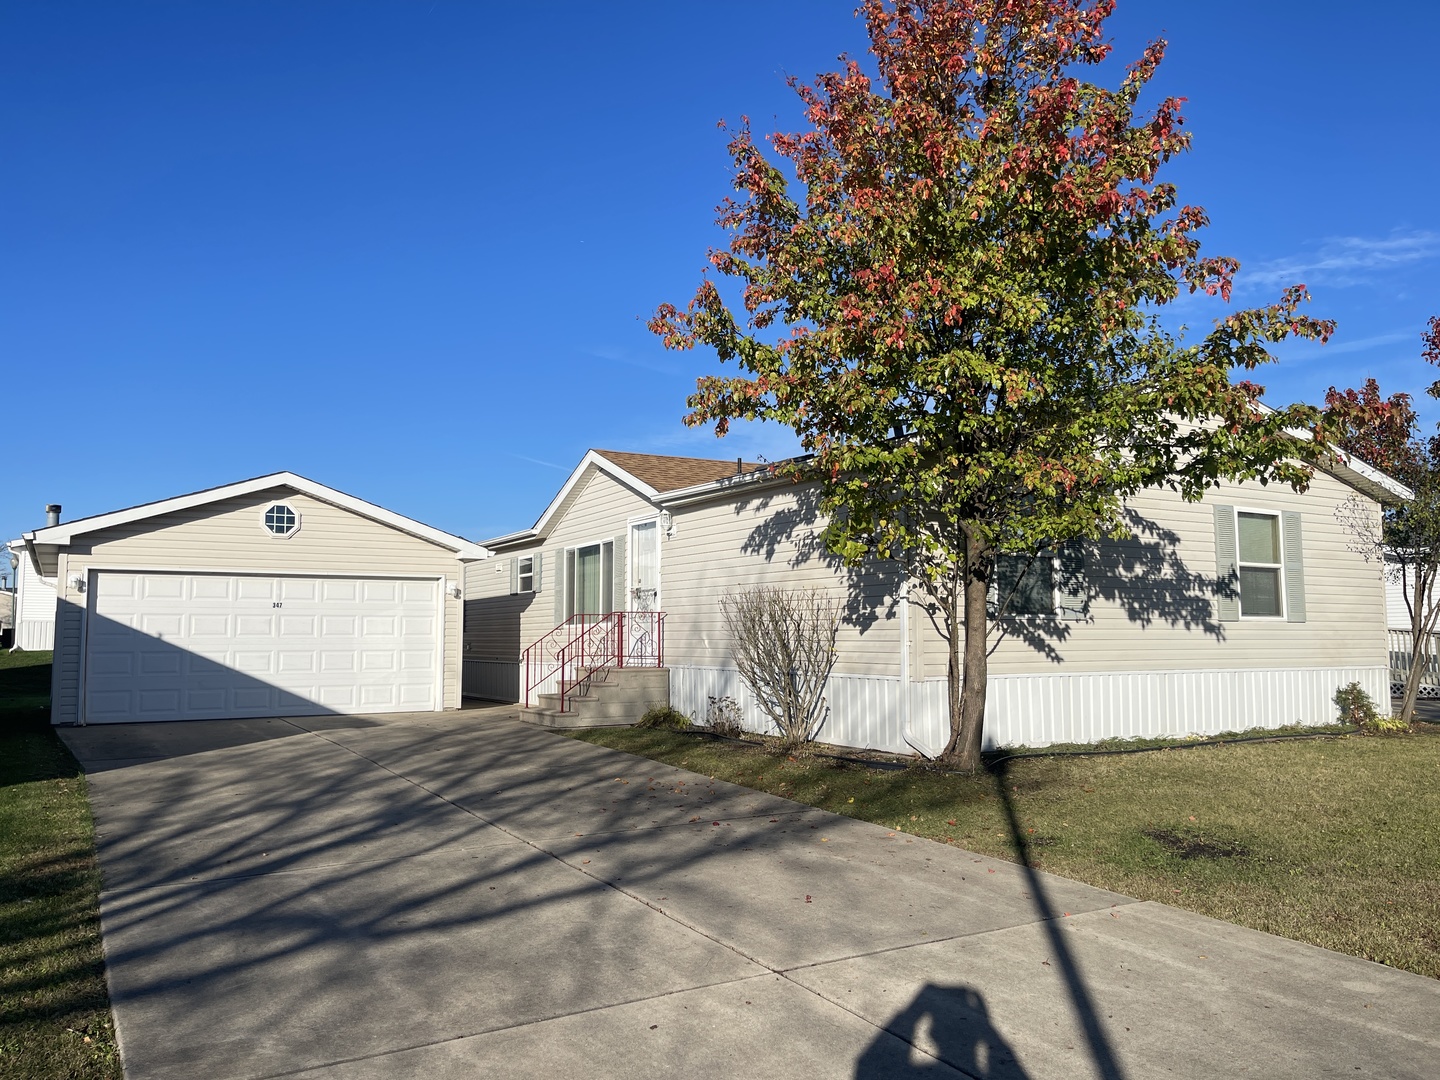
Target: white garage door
{"type": "Point", "coordinates": [208, 646]}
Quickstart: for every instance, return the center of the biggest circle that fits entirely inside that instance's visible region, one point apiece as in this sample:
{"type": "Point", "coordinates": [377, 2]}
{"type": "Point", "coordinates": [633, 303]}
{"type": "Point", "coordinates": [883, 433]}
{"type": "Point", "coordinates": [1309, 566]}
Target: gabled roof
{"type": "Point", "coordinates": [673, 473]}
{"type": "Point", "coordinates": [649, 475]}
{"type": "Point", "coordinates": [65, 532]}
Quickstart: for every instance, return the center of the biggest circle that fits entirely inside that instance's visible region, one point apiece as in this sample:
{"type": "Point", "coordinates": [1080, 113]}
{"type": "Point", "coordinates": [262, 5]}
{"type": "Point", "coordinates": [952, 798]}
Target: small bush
{"type": "Point", "coordinates": [723, 717]}
{"type": "Point", "coordinates": [1358, 708]}
{"type": "Point", "coordinates": [664, 717]}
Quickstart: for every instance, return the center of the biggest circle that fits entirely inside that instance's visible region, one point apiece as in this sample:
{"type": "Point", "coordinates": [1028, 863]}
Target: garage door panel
{"type": "Point", "coordinates": [162, 587]}
{"type": "Point", "coordinates": [339, 697]}
{"type": "Point", "coordinates": [172, 646]}
{"type": "Point", "coordinates": [211, 588]}
{"type": "Point", "coordinates": [170, 624]}
{"type": "Point", "coordinates": [248, 588]}
{"type": "Point", "coordinates": [166, 663]}
{"type": "Point", "coordinates": [205, 701]}
{"type": "Point", "coordinates": [413, 697]}
{"type": "Point", "coordinates": [118, 585]}
{"type": "Point", "coordinates": [209, 626]}
{"type": "Point", "coordinates": [338, 626]}
{"type": "Point", "coordinates": [378, 592]}
{"type": "Point", "coordinates": [300, 626]}
{"type": "Point", "coordinates": [298, 589]}
{"type": "Point", "coordinates": [339, 591]}
{"type": "Point", "coordinates": [255, 697]}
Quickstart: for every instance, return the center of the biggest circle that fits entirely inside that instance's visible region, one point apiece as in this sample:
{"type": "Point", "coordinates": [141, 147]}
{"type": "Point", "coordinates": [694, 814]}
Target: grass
{"type": "Point", "coordinates": [1331, 841]}
{"type": "Point", "coordinates": [54, 1007]}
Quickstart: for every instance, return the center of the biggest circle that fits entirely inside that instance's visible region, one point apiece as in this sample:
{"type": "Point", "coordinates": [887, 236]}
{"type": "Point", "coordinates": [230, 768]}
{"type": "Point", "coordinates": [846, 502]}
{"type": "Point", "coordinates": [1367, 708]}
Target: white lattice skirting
{"type": "Point", "coordinates": [881, 713]}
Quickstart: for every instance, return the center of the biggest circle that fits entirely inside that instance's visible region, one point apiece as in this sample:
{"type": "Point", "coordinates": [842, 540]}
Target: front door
{"type": "Point", "coordinates": [644, 566]}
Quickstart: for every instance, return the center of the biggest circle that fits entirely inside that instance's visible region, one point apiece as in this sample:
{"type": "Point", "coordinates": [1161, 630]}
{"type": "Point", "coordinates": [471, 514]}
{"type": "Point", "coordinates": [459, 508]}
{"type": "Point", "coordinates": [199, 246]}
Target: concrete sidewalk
{"type": "Point", "coordinates": [459, 895]}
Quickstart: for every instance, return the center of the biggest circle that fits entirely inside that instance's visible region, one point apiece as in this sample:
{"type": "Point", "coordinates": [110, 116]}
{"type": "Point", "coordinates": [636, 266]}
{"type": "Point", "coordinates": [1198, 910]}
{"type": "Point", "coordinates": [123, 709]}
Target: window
{"type": "Point", "coordinates": [526, 573]}
{"type": "Point", "coordinates": [281, 520]}
{"type": "Point", "coordinates": [1024, 585]}
{"type": "Point", "coordinates": [1260, 566]}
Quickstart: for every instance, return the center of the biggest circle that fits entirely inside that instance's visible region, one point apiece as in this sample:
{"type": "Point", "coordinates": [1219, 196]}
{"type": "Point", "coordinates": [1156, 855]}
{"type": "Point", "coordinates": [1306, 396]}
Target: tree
{"type": "Point", "coordinates": [955, 308]}
{"type": "Point", "coordinates": [1382, 432]}
{"type": "Point", "coordinates": [784, 645]}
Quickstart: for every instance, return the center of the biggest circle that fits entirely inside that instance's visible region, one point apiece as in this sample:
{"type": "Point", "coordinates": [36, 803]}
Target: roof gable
{"type": "Point", "coordinates": [649, 475]}
{"type": "Point", "coordinates": [64, 533]}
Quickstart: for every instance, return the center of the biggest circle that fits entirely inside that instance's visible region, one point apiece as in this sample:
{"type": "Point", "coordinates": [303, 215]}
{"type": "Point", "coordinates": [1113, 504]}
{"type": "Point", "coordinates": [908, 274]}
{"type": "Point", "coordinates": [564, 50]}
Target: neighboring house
{"type": "Point", "coordinates": [270, 597]}
{"type": "Point", "coordinates": [1246, 609]}
{"type": "Point", "coordinates": [34, 602]}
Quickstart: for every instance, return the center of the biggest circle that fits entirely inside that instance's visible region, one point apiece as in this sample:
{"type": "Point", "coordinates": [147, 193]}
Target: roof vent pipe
{"type": "Point", "coordinates": [739, 466]}
{"type": "Point", "coordinates": [52, 515]}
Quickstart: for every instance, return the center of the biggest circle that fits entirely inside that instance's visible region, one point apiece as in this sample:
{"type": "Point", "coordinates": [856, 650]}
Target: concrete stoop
{"type": "Point", "coordinates": [616, 697]}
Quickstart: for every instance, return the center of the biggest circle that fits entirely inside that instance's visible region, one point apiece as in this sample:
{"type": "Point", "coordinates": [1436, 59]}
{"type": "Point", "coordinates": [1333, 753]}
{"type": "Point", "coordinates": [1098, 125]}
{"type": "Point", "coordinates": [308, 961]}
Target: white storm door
{"type": "Point", "coordinates": [644, 566]}
{"type": "Point", "coordinates": [208, 646]}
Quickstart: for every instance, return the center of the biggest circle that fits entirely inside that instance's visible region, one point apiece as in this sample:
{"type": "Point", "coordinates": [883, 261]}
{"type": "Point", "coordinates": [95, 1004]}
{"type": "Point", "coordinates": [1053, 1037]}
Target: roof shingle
{"type": "Point", "coordinates": [665, 473]}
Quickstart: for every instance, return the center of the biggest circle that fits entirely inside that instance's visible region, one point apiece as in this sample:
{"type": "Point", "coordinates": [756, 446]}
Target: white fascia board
{"type": "Point", "coordinates": [605, 465]}
{"type": "Point", "coordinates": [64, 533]}
{"type": "Point", "coordinates": [726, 486]}
{"type": "Point", "coordinates": [511, 539]}
{"type": "Point", "coordinates": [1349, 469]}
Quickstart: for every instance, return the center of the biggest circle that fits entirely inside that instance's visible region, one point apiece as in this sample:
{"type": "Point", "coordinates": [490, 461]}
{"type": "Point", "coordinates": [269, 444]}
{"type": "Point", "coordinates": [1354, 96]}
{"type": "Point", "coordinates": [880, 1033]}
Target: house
{"type": "Point", "coordinates": [34, 600]}
{"type": "Point", "coordinates": [273, 596]}
{"type": "Point", "coordinates": [1247, 609]}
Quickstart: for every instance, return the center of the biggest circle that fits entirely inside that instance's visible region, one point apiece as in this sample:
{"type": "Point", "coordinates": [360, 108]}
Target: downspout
{"type": "Point", "coordinates": [905, 731]}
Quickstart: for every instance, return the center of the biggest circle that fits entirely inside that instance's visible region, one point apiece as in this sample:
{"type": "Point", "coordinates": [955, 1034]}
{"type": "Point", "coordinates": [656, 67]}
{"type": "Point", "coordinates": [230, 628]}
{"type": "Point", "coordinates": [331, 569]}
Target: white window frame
{"type": "Point", "coordinates": [1280, 566]}
{"type": "Point", "coordinates": [525, 578]}
{"type": "Point", "coordinates": [569, 570]}
{"type": "Point", "coordinates": [265, 511]}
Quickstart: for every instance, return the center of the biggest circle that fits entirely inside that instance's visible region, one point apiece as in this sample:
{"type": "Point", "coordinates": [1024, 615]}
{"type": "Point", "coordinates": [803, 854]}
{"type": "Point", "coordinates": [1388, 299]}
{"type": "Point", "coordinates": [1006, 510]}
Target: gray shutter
{"type": "Point", "coordinates": [559, 586]}
{"type": "Point", "coordinates": [1072, 593]}
{"type": "Point", "coordinates": [537, 571]}
{"type": "Point", "coordinates": [1227, 569]}
{"type": "Point", "coordinates": [622, 598]}
{"type": "Point", "coordinates": [514, 575]}
{"type": "Point", "coordinates": [1294, 567]}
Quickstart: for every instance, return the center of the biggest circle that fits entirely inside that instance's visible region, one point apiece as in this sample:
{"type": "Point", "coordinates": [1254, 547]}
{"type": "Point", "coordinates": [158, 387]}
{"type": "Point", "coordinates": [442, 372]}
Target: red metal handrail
{"type": "Point", "coordinates": [619, 639]}
{"type": "Point", "coordinates": [550, 648]}
{"type": "Point", "coordinates": [584, 646]}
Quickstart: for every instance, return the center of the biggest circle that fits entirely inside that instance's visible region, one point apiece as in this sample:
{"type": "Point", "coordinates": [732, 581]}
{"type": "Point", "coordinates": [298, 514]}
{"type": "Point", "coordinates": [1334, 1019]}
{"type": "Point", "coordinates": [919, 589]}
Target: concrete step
{"type": "Point", "coordinates": [618, 698]}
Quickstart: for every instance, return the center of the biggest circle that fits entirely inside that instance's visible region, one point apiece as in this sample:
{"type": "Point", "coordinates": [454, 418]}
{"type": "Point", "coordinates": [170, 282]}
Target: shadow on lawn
{"type": "Point", "coordinates": [1107, 1065]}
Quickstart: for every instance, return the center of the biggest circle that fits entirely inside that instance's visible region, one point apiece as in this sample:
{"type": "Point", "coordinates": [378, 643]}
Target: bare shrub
{"type": "Point", "coordinates": [784, 646]}
{"type": "Point", "coordinates": [723, 717]}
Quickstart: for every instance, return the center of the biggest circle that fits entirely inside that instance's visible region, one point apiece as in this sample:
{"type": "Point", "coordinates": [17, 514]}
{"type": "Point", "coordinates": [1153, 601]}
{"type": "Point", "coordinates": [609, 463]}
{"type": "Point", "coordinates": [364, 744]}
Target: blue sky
{"type": "Point", "coordinates": [407, 249]}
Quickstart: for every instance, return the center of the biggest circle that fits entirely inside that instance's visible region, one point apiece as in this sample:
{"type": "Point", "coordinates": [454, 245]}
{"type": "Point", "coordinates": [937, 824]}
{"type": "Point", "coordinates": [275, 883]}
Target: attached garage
{"type": "Point", "coordinates": [273, 597]}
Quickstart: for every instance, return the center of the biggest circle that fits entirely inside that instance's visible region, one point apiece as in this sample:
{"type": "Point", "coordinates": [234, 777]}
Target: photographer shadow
{"type": "Point", "coordinates": [951, 1023]}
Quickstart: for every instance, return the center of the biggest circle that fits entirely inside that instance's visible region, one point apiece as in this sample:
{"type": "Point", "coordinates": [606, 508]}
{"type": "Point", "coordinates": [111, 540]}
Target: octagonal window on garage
{"type": "Point", "coordinates": [281, 520]}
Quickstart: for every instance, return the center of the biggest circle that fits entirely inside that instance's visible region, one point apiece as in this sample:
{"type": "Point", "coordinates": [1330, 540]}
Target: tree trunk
{"type": "Point", "coordinates": [1419, 638]}
{"type": "Point", "coordinates": [969, 669]}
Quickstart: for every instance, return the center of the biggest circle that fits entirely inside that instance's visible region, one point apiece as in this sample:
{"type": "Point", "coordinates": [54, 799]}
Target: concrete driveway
{"type": "Point", "coordinates": [465, 895]}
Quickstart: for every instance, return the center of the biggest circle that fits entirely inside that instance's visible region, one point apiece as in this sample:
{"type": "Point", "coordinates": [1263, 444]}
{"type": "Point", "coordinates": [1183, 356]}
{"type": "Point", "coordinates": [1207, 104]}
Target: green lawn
{"type": "Point", "coordinates": [1333, 841]}
{"type": "Point", "coordinates": [54, 1009]}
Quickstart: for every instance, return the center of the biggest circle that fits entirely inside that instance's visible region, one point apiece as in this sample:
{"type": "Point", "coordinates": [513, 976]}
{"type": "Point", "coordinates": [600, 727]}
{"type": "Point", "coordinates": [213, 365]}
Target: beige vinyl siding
{"type": "Point", "coordinates": [227, 536]}
{"type": "Point", "coordinates": [493, 617]}
{"type": "Point", "coordinates": [1155, 609]}
{"type": "Point", "coordinates": [770, 537]}
{"type": "Point", "coordinates": [598, 508]}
